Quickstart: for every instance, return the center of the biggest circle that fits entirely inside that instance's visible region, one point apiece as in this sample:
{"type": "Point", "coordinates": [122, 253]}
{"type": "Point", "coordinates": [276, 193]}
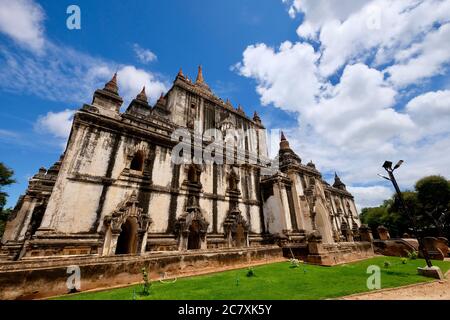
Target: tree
{"type": "Point", "coordinates": [5, 179]}
{"type": "Point", "coordinates": [404, 220]}
{"type": "Point", "coordinates": [428, 207]}
{"type": "Point", "coordinates": [375, 217]}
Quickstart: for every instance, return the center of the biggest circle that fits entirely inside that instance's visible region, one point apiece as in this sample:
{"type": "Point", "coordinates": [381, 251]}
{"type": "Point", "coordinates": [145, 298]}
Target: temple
{"type": "Point", "coordinates": [116, 189]}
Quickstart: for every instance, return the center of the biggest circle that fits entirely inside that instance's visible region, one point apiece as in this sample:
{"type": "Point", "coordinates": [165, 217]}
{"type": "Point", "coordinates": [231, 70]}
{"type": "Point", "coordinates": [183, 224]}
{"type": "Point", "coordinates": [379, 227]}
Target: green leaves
{"type": "Point", "coordinates": [5, 179]}
{"type": "Point", "coordinates": [428, 204]}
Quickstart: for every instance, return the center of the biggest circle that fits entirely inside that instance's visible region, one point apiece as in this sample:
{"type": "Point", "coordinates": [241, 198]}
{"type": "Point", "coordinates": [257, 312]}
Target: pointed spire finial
{"type": "Point", "coordinates": [142, 96]}
{"type": "Point", "coordinates": [284, 144]}
{"type": "Point", "coordinates": [199, 75]}
{"type": "Point", "coordinates": [256, 117]}
{"type": "Point", "coordinates": [111, 85]}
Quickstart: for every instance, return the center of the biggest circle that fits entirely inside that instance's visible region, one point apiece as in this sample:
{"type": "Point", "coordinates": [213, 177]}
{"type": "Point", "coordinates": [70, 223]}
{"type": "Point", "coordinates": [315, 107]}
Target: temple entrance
{"type": "Point", "coordinates": [194, 242]}
{"type": "Point", "coordinates": [127, 241]}
{"type": "Point", "coordinates": [239, 237]}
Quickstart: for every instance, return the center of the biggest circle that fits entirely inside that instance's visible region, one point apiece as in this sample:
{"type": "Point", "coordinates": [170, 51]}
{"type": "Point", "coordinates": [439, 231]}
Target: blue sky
{"type": "Point", "coordinates": [352, 82]}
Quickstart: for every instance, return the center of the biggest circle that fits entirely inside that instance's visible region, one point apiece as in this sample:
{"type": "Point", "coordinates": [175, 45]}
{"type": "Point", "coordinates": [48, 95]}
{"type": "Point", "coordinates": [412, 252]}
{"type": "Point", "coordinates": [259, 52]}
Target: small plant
{"type": "Point", "coordinates": [295, 263]}
{"type": "Point", "coordinates": [387, 264]}
{"type": "Point", "coordinates": [147, 283]}
{"type": "Point", "coordinates": [250, 273]}
{"type": "Point", "coordinates": [404, 261]}
{"type": "Point", "coordinates": [413, 255]}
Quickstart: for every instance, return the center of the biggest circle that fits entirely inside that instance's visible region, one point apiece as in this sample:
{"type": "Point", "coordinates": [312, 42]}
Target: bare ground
{"type": "Point", "coordinates": [436, 290]}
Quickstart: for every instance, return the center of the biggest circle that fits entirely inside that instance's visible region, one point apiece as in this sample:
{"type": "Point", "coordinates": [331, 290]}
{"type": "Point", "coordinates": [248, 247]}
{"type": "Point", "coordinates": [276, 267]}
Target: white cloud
{"type": "Point", "coordinates": [66, 75]}
{"type": "Point", "coordinates": [56, 72]}
{"type": "Point", "coordinates": [22, 20]}
{"type": "Point", "coordinates": [422, 60]}
{"type": "Point", "coordinates": [276, 70]}
{"type": "Point", "coordinates": [355, 120]}
{"type": "Point", "coordinates": [144, 55]}
{"type": "Point", "coordinates": [354, 30]}
{"type": "Point", "coordinates": [359, 112]}
{"type": "Point", "coordinates": [371, 196]}
{"type": "Point", "coordinates": [8, 134]}
{"type": "Point", "coordinates": [131, 81]}
{"type": "Point", "coordinates": [61, 74]}
{"type": "Point", "coordinates": [58, 124]}
{"type": "Point", "coordinates": [318, 12]}
{"type": "Point", "coordinates": [431, 111]}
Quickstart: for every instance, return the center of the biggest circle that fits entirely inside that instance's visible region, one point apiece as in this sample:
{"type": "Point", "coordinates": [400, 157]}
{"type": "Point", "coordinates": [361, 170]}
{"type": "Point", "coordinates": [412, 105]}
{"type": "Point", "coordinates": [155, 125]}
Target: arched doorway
{"type": "Point", "coordinates": [127, 241]}
{"type": "Point", "coordinates": [236, 229]}
{"type": "Point", "coordinates": [239, 236]}
{"type": "Point", "coordinates": [194, 241]}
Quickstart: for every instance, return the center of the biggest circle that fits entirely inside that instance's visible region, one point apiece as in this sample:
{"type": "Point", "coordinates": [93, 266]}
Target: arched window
{"type": "Point", "coordinates": [137, 164]}
{"type": "Point", "coordinates": [193, 175]}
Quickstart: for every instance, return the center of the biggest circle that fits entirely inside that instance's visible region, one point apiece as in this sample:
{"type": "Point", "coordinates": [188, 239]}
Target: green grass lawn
{"type": "Point", "coordinates": [274, 281]}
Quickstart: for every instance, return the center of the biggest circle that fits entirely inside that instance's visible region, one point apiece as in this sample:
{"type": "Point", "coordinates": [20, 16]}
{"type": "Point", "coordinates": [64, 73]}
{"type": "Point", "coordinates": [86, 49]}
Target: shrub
{"type": "Point", "coordinates": [413, 255]}
{"type": "Point", "coordinates": [387, 264]}
{"type": "Point", "coordinates": [404, 260]}
{"type": "Point", "coordinates": [295, 263]}
{"type": "Point", "coordinates": [147, 283]}
{"type": "Point", "coordinates": [250, 272]}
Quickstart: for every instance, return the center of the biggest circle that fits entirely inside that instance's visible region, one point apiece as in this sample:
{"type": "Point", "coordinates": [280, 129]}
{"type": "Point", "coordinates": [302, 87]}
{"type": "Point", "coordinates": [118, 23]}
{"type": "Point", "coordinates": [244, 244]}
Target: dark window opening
{"type": "Point", "coordinates": [193, 175]}
{"type": "Point", "coordinates": [194, 242]}
{"type": "Point", "coordinates": [126, 244]}
{"type": "Point", "coordinates": [137, 163]}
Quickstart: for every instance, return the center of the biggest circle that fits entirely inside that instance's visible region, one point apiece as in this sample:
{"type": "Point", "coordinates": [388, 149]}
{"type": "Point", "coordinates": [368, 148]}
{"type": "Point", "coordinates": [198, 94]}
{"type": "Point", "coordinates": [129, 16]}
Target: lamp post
{"type": "Point", "coordinates": [388, 167]}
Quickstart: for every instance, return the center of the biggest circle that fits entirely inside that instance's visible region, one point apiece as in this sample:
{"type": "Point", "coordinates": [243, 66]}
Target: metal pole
{"type": "Point", "coordinates": [411, 217]}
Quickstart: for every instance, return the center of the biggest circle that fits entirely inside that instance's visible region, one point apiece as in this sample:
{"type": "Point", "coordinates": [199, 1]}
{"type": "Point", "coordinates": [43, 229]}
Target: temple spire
{"type": "Point", "coordinates": [338, 182]}
{"type": "Point", "coordinates": [111, 85]}
{"type": "Point", "coordinates": [180, 73]}
{"type": "Point", "coordinates": [284, 144]}
{"type": "Point", "coordinates": [256, 118]}
{"type": "Point", "coordinates": [200, 79]}
{"type": "Point", "coordinates": [142, 96]}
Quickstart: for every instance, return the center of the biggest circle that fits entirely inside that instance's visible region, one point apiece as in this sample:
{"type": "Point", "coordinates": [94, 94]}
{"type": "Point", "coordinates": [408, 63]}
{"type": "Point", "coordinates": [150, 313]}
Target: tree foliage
{"type": "Point", "coordinates": [428, 207]}
{"type": "Point", "coordinates": [5, 179]}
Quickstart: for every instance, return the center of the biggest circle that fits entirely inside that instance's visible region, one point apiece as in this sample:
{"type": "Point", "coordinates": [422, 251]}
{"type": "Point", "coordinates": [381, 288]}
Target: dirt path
{"type": "Point", "coordinates": [436, 290]}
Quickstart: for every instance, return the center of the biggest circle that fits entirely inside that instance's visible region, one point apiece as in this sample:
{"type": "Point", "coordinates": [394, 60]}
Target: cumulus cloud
{"type": "Point", "coordinates": [131, 80]}
{"type": "Point", "coordinates": [319, 12]}
{"type": "Point", "coordinates": [144, 55]}
{"type": "Point", "coordinates": [22, 21]}
{"type": "Point", "coordinates": [359, 30]}
{"type": "Point", "coordinates": [431, 111]}
{"type": "Point", "coordinates": [422, 60]}
{"type": "Point", "coordinates": [58, 124]}
{"type": "Point", "coordinates": [371, 196]}
{"type": "Point", "coordinates": [276, 70]}
{"type": "Point", "coordinates": [347, 80]}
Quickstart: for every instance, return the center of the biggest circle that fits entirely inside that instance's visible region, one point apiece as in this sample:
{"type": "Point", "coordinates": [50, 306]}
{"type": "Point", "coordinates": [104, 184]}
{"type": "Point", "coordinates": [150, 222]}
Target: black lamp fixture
{"type": "Point", "coordinates": [388, 167]}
